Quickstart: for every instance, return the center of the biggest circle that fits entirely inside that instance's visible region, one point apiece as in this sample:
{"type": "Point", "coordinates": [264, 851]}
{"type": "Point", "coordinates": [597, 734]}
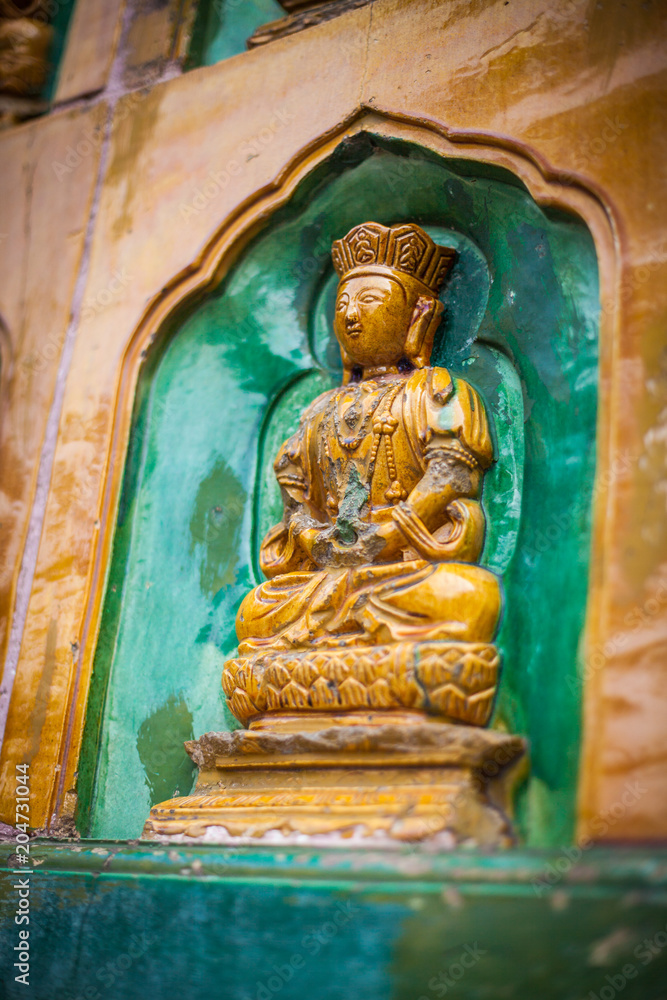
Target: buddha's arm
{"type": "Point", "coordinates": [302, 522]}
{"type": "Point", "coordinates": [305, 521]}
{"type": "Point", "coordinates": [446, 479]}
{"type": "Point", "coordinates": [458, 446]}
{"type": "Point", "coordinates": [288, 546]}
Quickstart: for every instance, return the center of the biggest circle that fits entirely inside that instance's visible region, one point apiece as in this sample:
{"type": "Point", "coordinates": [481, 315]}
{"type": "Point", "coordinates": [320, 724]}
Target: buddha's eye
{"type": "Point", "coordinates": [342, 303]}
{"type": "Point", "coordinates": [370, 297]}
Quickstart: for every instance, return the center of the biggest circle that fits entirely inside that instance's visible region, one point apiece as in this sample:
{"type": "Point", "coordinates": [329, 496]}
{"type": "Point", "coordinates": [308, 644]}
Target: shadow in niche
{"type": "Point", "coordinates": [521, 325]}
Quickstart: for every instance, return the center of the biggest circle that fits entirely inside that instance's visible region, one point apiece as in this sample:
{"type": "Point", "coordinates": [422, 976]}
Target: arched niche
{"type": "Point", "coordinates": [227, 386]}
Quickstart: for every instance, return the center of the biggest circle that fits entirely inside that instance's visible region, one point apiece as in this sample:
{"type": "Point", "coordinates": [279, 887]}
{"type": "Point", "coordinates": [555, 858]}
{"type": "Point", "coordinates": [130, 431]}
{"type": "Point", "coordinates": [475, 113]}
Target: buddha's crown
{"type": "Point", "coordinates": [406, 249]}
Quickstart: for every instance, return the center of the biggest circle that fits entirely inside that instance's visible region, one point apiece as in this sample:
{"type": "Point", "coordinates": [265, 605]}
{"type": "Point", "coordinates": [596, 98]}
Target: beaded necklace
{"type": "Point", "coordinates": [352, 443]}
{"type": "Point", "coordinates": [384, 426]}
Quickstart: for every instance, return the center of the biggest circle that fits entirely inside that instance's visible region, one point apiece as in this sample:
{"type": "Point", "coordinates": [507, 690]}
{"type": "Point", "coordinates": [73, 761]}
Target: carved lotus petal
{"type": "Point", "coordinates": [434, 670]}
{"type": "Point", "coordinates": [294, 696]}
{"type": "Point", "coordinates": [324, 694]}
{"type": "Point", "coordinates": [242, 706]}
{"type": "Point", "coordinates": [277, 675]}
{"type": "Point", "coordinates": [381, 696]}
{"type": "Point", "coordinates": [336, 669]}
{"type": "Point", "coordinates": [272, 698]}
{"type": "Point", "coordinates": [480, 705]}
{"type": "Point", "coordinates": [450, 701]}
{"type": "Point", "coordinates": [477, 673]}
{"type": "Point", "coordinates": [408, 693]}
{"type": "Point", "coordinates": [353, 694]}
{"type": "Point", "coordinates": [251, 684]}
{"type": "Point", "coordinates": [370, 668]}
{"type": "Point", "coordinates": [305, 672]}
{"type": "Point", "coordinates": [449, 656]}
{"type": "Point", "coordinates": [229, 677]}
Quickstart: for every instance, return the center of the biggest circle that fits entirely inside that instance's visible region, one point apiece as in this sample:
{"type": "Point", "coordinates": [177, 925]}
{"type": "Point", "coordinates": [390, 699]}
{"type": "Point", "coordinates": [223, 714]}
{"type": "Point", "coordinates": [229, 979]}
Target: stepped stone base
{"type": "Point", "coordinates": [407, 782]}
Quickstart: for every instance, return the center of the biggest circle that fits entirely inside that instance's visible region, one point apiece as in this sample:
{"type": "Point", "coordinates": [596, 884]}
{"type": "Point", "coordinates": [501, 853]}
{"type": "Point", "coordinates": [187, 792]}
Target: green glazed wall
{"type": "Point", "coordinates": [521, 325]}
{"type": "Point", "coordinates": [222, 28]}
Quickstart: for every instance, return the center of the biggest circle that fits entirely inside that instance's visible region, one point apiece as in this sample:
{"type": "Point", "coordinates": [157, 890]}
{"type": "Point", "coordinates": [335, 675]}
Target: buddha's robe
{"type": "Point", "coordinates": [357, 455]}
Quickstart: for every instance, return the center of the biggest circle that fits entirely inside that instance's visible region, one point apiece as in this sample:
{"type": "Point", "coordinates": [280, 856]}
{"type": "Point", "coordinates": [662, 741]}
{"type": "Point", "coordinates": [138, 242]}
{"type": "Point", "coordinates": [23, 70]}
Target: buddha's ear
{"type": "Point", "coordinates": [423, 324]}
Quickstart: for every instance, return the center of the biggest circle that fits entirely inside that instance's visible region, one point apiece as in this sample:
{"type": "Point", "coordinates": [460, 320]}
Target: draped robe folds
{"type": "Point", "coordinates": [340, 469]}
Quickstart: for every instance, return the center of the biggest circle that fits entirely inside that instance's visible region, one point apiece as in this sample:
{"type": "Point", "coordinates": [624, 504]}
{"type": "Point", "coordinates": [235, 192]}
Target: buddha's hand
{"type": "Point", "coordinates": [343, 545]}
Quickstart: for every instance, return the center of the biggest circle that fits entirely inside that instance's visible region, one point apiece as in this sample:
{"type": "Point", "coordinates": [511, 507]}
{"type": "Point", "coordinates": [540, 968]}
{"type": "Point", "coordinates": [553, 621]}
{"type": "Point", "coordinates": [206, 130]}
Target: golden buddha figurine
{"type": "Point", "coordinates": [366, 665]}
{"type": "Point", "coordinates": [383, 526]}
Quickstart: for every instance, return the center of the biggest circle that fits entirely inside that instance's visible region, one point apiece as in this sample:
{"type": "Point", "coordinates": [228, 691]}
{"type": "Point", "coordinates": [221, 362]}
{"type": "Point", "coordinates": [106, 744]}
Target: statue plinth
{"type": "Point", "coordinates": [409, 780]}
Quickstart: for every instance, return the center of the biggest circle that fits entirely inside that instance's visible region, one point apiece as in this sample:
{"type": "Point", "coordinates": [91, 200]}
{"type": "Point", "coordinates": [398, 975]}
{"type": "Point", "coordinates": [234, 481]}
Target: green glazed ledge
{"type": "Point", "coordinates": [134, 920]}
{"type": "Point", "coordinates": [597, 869]}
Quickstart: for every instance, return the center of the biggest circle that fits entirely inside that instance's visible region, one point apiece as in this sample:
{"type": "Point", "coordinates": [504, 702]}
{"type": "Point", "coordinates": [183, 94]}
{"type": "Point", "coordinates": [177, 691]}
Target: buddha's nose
{"type": "Point", "coordinates": [352, 314]}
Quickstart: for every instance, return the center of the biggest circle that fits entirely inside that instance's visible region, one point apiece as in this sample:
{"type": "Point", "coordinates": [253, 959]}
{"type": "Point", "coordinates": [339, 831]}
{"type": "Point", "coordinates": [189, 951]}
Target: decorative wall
{"type": "Point", "coordinates": [521, 324]}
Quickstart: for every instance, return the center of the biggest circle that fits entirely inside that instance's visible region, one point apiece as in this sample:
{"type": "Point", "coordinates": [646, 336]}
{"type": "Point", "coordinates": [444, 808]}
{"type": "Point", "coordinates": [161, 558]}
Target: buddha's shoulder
{"type": "Point", "coordinates": [319, 404]}
{"type": "Point", "coordinates": [437, 383]}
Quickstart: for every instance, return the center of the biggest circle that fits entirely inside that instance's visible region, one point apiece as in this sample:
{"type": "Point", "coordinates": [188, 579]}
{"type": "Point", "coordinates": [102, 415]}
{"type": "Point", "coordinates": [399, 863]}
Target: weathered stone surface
{"type": "Point", "coordinates": [409, 782]}
{"type": "Point", "coordinates": [465, 746]}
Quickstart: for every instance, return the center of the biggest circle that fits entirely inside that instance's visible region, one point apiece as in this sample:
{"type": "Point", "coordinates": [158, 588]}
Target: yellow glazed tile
{"type": "Point", "coordinates": [156, 35]}
{"type": "Point", "coordinates": [90, 47]}
{"type": "Point", "coordinates": [44, 207]}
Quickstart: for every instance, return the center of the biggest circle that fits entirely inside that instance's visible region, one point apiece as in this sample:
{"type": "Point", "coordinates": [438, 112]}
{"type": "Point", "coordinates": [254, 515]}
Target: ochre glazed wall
{"type": "Point", "coordinates": [564, 95]}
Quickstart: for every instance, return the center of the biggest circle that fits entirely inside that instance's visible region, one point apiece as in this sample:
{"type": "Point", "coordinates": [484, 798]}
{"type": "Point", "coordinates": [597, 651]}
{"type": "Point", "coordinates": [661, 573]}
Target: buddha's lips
{"type": "Point", "coordinates": [353, 331]}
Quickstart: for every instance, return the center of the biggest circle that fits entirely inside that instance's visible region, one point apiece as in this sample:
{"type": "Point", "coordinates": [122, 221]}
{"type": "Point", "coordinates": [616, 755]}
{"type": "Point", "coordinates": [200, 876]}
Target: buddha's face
{"type": "Point", "coordinates": [372, 319]}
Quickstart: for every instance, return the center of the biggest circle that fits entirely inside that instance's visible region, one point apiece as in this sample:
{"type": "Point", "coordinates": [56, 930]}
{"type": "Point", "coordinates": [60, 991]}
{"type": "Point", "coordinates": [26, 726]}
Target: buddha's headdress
{"type": "Point", "coordinates": [404, 249]}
